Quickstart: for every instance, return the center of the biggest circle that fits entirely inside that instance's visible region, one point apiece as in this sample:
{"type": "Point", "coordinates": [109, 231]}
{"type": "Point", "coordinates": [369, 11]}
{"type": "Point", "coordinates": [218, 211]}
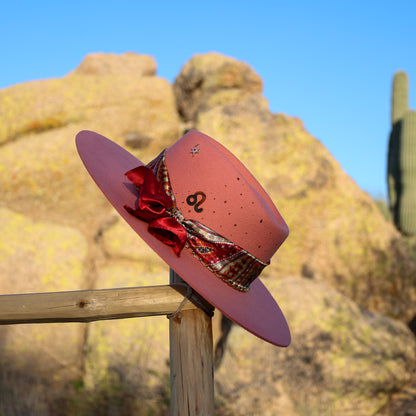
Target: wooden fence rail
{"type": "Point", "coordinates": [93, 305]}
{"type": "Point", "coordinates": [191, 350]}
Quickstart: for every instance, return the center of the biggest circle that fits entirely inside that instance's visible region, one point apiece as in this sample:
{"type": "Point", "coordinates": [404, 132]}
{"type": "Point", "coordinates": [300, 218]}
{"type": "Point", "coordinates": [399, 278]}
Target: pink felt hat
{"type": "Point", "coordinates": [202, 212]}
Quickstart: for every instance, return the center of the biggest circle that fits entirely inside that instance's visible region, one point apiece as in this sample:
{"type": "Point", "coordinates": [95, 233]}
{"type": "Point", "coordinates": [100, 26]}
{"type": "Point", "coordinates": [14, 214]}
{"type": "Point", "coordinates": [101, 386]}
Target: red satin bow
{"type": "Point", "coordinates": [153, 206]}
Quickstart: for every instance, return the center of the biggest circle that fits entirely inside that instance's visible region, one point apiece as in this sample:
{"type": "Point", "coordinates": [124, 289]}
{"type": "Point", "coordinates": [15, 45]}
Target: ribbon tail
{"type": "Point", "coordinates": [170, 232]}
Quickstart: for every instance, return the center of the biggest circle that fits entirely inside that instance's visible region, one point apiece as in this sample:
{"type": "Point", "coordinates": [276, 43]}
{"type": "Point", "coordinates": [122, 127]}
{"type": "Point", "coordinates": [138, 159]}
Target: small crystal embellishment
{"type": "Point", "coordinates": [195, 150]}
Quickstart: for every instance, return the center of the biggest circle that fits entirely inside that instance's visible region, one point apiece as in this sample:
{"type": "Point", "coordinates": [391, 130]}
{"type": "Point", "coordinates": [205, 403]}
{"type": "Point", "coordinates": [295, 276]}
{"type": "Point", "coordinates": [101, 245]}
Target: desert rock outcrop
{"type": "Point", "coordinates": [344, 277]}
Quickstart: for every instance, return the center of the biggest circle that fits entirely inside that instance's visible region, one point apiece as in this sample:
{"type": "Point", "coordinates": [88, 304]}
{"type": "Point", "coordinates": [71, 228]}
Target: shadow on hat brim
{"type": "Point", "coordinates": [255, 310]}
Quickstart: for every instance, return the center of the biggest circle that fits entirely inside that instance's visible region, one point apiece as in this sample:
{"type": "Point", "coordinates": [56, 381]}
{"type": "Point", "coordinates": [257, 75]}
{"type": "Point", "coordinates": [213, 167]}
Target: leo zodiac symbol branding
{"type": "Point", "coordinates": [193, 200]}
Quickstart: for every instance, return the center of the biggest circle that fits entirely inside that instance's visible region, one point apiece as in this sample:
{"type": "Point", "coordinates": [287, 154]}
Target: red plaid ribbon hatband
{"type": "Point", "coordinates": [157, 206]}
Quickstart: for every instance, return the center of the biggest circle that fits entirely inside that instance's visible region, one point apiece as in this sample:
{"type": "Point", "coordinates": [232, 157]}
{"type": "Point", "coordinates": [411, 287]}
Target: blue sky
{"type": "Point", "coordinates": [330, 63]}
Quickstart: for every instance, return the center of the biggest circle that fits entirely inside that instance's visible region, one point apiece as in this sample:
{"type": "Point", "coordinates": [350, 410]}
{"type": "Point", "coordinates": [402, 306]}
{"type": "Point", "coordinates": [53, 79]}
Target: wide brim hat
{"type": "Point", "coordinates": [237, 226]}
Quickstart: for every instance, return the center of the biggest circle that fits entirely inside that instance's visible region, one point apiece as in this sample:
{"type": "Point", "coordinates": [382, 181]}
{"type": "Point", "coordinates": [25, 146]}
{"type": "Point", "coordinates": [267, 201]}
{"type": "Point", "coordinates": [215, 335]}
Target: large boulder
{"type": "Point", "coordinates": [337, 233]}
{"type": "Point", "coordinates": [40, 171]}
{"type": "Point", "coordinates": [341, 358]}
{"type": "Point", "coordinates": [57, 213]}
{"type": "Point", "coordinates": [211, 79]}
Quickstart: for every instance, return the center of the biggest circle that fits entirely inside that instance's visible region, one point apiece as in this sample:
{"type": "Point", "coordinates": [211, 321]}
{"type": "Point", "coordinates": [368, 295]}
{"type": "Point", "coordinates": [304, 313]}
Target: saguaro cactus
{"type": "Point", "coordinates": [401, 175]}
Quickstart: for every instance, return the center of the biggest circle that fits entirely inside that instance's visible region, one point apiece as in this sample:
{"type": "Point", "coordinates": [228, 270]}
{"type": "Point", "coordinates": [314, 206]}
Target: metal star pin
{"type": "Point", "coordinates": [195, 150]}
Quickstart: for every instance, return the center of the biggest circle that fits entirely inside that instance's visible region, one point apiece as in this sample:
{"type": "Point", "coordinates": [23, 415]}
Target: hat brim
{"type": "Point", "coordinates": [255, 310]}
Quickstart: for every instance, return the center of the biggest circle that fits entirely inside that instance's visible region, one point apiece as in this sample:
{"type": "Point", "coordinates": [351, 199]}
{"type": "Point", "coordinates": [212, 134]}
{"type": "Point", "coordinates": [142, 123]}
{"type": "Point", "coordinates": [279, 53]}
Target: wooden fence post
{"type": "Point", "coordinates": [191, 361]}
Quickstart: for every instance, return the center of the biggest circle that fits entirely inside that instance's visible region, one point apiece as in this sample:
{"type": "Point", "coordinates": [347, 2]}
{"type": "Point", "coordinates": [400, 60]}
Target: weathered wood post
{"type": "Point", "coordinates": [191, 361]}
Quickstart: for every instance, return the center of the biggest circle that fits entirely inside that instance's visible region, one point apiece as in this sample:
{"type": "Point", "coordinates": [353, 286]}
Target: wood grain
{"type": "Point", "coordinates": [191, 362]}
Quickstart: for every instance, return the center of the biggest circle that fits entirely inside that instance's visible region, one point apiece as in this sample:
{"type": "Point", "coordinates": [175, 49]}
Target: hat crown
{"type": "Point", "coordinates": [213, 187]}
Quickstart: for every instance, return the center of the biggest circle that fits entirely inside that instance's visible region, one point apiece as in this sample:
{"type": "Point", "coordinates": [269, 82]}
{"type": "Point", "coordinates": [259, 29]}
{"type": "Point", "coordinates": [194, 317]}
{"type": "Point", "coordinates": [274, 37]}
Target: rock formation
{"type": "Point", "coordinates": [344, 277]}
